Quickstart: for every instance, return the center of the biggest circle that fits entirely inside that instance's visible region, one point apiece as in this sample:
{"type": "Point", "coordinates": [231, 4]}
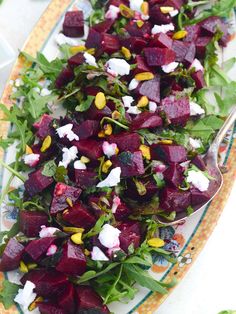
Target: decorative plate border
{"type": "Point", "coordinates": [211, 214]}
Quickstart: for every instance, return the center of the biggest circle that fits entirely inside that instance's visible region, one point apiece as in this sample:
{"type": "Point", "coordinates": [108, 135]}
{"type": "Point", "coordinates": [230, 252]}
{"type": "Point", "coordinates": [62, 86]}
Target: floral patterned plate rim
{"type": "Point", "coordinates": [188, 238]}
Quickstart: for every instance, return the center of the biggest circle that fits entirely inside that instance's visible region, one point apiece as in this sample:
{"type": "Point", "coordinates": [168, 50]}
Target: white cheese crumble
{"type": "Point", "coordinates": [112, 13]}
{"type": "Point", "coordinates": [79, 165]}
{"type": "Point", "coordinates": [127, 101]}
{"type": "Point", "coordinates": [68, 156]}
{"type": "Point", "coordinates": [89, 59]}
{"type": "Point", "coordinates": [136, 5]}
{"type": "Point", "coordinates": [198, 179]}
{"type": "Point", "coordinates": [61, 39]}
{"type": "Point", "coordinates": [195, 109]}
{"type": "Point", "coordinates": [45, 92]}
{"type": "Point", "coordinates": [168, 68]}
{"type": "Point", "coordinates": [112, 179]}
{"type": "Point", "coordinates": [173, 13]}
{"type": "Point", "coordinates": [116, 67]}
{"type": "Point", "coordinates": [133, 84]}
{"type": "Point", "coordinates": [37, 90]}
{"type": "Point", "coordinates": [31, 159]}
{"type": "Point", "coordinates": [197, 65]}
{"type": "Point", "coordinates": [133, 110]}
{"type": "Point", "coordinates": [109, 236]}
{"type": "Point", "coordinates": [195, 143]}
{"type": "Point", "coordinates": [109, 149]}
{"type": "Point", "coordinates": [152, 106]}
{"type": "Point", "coordinates": [19, 82]}
{"type": "Point", "coordinates": [164, 28]}
{"type": "Point", "coordinates": [47, 232]}
{"type": "Point", "coordinates": [66, 131]}
{"type": "Point", "coordinates": [26, 296]}
{"type": "Point", "coordinates": [98, 255]}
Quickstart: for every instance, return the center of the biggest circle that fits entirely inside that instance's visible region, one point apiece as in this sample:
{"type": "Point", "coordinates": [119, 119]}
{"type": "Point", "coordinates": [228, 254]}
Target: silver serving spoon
{"type": "Point", "coordinates": [211, 161]}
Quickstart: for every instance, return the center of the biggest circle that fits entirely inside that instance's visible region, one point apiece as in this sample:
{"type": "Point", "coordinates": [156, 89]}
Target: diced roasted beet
{"type": "Point", "coordinates": [185, 52]}
{"type": "Point", "coordinates": [94, 39]}
{"type": "Point", "coordinates": [130, 226]}
{"type": "Point", "coordinates": [198, 77]}
{"type": "Point", "coordinates": [190, 55]}
{"type": "Point", "coordinates": [146, 120]}
{"type": "Point", "coordinates": [37, 182]}
{"type": "Point", "coordinates": [130, 234]}
{"type": "Point", "coordinates": [33, 276]}
{"type": "Point", "coordinates": [173, 175]}
{"type": "Point", "coordinates": [73, 25]}
{"type": "Point", "coordinates": [11, 255]}
{"type": "Point", "coordinates": [79, 216]}
{"type": "Point", "coordinates": [90, 148]}
{"type": "Point", "coordinates": [44, 127]}
{"type": "Point", "coordinates": [169, 153]}
{"type": "Point", "coordinates": [151, 190]}
{"type": "Point", "coordinates": [76, 60]}
{"type": "Point", "coordinates": [141, 65]}
{"type": "Point", "coordinates": [88, 299]}
{"type": "Point", "coordinates": [110, 44]}
{"type": "Point", "coordinates": [193, 32]}
{"type": "Point", "coordinates": [134, 44]}
{"type": "Point", "coordinates": [159, 56]}
{"type": "Point", "coordinates": [131, 164]}
{"type": "Point", "coordinates": [226, 36]}
{"type": "Point", "coordinates": [161, 40]}
{"type": "Point", "coordinates": [50, 308]}
{"type": "Point", "coordinates": [73, 261]}
{"type": "Point", "coordinates": [177, 110]}
{"type": "Point", "coordinates": [38, 248]}
{"type": "Point", "coordinates": [201, 44]}
{"type": "Point", "coordinates": [65, 77]}
{"type": "Point", "coordinates": [210, 25]}
{"type": "Point", "coordinates": [157, 17]}
{"type": "Point", "coordinates": [85, 178]}
{"type": "Point", "coordinates": [151, 89]}
{"type": "Point", "coordinates": [122, 211]}
{"type": "Point", "coordinates": [66, 300]}
{"type": "Point", "coordinates": [104, 26]}
{"type": "Point", "coordinates": [174, 199]}
{"type": "Point", "coordinates": [95, 114]}
{"type": "Point", "coordinates": [199, 198]}
{"type": "Point", "coordinates": [177, 4]}
{"type": "Point", "coordinates": [199, 162]}
{"type": "Point", "coordinates": [31, 222]}
{"type": "Point", "coordinates": [116, 3]}
{"type": "Point", "coordinates": [134, 30]}
{"type": "Point", "coordinates": [126, 141]}
{"type": "Point", "coordinates": [87, 129]}
{"type": "Point", "coordinates": [92, 90]}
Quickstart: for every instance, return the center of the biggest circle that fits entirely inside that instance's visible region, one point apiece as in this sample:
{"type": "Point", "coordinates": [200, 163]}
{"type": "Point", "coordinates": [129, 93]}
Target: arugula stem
{"type": "Point", "coordinates": [116, 122]}
{"type": "Point", "coordinates": [6, 189]}
{"type": "Point", "coordinates": [13, 171]}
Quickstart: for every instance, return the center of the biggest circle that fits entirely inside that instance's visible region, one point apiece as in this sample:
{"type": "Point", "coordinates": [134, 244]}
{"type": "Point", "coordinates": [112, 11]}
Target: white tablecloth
{"type": "Point", "coordinates": [209, 286]}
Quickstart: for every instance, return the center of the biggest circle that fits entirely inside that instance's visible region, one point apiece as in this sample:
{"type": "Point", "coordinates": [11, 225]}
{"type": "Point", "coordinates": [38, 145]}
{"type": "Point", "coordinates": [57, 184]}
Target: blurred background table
{"type": "Point", "coordinates": [209, 286]}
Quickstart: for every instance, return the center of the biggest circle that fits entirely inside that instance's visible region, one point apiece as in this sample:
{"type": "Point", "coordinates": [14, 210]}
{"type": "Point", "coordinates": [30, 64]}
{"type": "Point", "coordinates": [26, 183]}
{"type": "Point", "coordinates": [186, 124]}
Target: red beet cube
{"type": "Point", "coordinates": [199, 162]}
{"type": "Point", "coordinates": [61, 193]}
{"type": "Point", "coordinates": [157, 17]}
{"type": "Point", "coordinates": [151, 189]}
{"type": "Point", "coordinates": [199, 198]}
{"type": "Point", "coordinates": [76, 60]}
{"type": "Point", "coordinates": [79, 216]}
{"type": "Point", "coordinates": [85, 178]}
{"type": "Point", "coordinates": [110, 43]}
{"type": "Point", "coordinates": [198, 77]}
{"type": "Point", "coordinates": [87, 299]}
{"type": "Point", "coordinates": [44, 127]}
{"type": "Point", "coordinates": [131, 163]}
{"type": "Point", "coordinates": [95, 114]}
{"type": "Point", "coordinates": [177, 110]}
{"type": "Point", "coordinates": [159, 56]}
{"type": "Point", "coordinates": [151, 89]}
{"type": "Point", "coordinates": [173, 175]}
{"type": "Point", "coordinates": [210, 25]}
{"type": "Point", "coordinates": [201, 44]}
{"type": "Point", "coordinates": [104, 26]}
{"type": "Point", "coordinates": [193, 32]}
{"type": "Point", "coordinates": [11, 255]}
{"type": "Point", "coordinates": [146, 120]}
{"type": "Point", "coordinates": [36, 249]}
{"type": "Point", "coordinates": [134, 44]}
{"type": "Point", "coordinates": [73, 261]}
{"type": "Point", "coordinates": [50, 308]}
{"type": "Point", "coordinates": [126, 141]}
{"type": "Point", "coordinates": [65, 77]}
{"type": "Point", "coordinates": [73, 25]}
{"type": "Point", "coordinates": [168, 153]}
{"type": "Point", "coordinates": [87, 129]}
{"type": "Point", "coordinates": [94, 39]}
{"type": "Point", "coordinates": [177, 4]}
{"type": "Point", "coordinates": [185, 52]}
{"type": "Point", "coordinates": [190, 55]}
{"type": "Point", "coordinates": [174, 200]}
{"type": "Point", "coordinates": [37, 182]}
{"type": "Point", "coordinates": [134, 30]}
{"type": "Point", "coordinates": [130, 234]}
{"type": "Point", "coordinates": [31, 222]}
{"type": "Point", "coordinates": [141, 65]}
{"type": "Point", "coordinates": [66, 299]}
{"type": "Point", "coordinates": [122, 212]}
{"type": "Point", "coordinates": [161, 40]}
{"type": "Point", "coordinates": [90, 148]}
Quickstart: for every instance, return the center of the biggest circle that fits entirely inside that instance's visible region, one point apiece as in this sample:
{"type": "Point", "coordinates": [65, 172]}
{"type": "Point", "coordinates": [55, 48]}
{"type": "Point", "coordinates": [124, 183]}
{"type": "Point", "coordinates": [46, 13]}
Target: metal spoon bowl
{"type": "Point", "coordinates": [211, 161]}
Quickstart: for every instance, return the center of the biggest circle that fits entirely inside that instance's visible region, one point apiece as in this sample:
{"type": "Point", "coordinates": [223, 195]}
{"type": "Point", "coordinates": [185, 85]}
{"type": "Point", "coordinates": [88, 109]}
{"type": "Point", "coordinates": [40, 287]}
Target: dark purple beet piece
{"type": "Point", "coordinates": [174, 200]}
{"type": "Point", "coordinates": [31, 222]}
{"type": "Point", "coordinates": [157, 17]}
{"type": "Point", "coordinates": [199, 162]}
{"type": "Point", "coordinates": [85, 178]}
{"type": "Point", "coordinates": [173, 175]}
{"type": "Point", "coordinates": [76, 60]}
{"type": "Point", "coordinates": [34, 276]}
{"type": "Point", "coordinates": [190, 55]}
{"type": "Point", "coordinates": [79, 216]}
{"type": "Point", "coordinates": [50, 308]}
{"type": "Point", "coordinates": [88, 299]}
{"type": "Point", "coordinates": [161, 40]}
{"type": "Point", "coordinates": [177, 4]}
{"type": "Point", "coordinates": [198, 77]}
{"type": "Point", "coordinates": [87, 129]}
{"type": "Point", "coordinates": [210, 25]}
{"type": "Point", "coordinates": [185, 52]}
{"type": "Point", "coordinates": [151, 89]}
{"type": "Point", "coordinates": [193, 32]}
{"type": "Point", "coordinates": [146, 120]}
{"type": "Point", "coordinates": [73, 25]}
{"type": "Point", "coordinates": [110, 44]}
{"type": "Point", "coordinates": [159, 56]}
{"type": "Point", "coordinates": [73, 261]}
{"type": "Point", "coordinates": [126, 141]}
{"type": "Point", "coordinates": [151, 189]}
{"type": "Point", "coordinates": [66, 300]}
{"type": "Point", "coordinates": [201, 44]}
{"type": "Point", "coordinates": [90, 148]}
{"type": "Point", "coordinates": [122, 212]}
{"type": "Point", "coordinates": [94, 39]}
{"type": "Point", "coordinates": [134, 30]}
{"type": "Point", "coordinates": [130, 234]}
{"type": "Point", "coordinates": [11, 255]}
{"type": "Point", "coordinates": [104, 26]}
{"type": "Point", "coordinates": [61, 193]}
{"type": "Point", "coordinates": [177, 110]}
{"type": "Point", "coordinates": [131, 163]}
{"type": "Point", "coordinates": [169, 153]}
{"type": "Point", "coordinates": [65, 77]}
{"type": "Point", "coordinates": [38, 248]}
{"type": "Point", "coordinates": [37, 182]}
{"type": "Point", "coordinates": [199, 198]}
{"type": "Point", "coordinates": [95, 114]}
{"type": "Point", "coordinates": [141, 65]}
{"type": "Point", "coordinates": [134, 44]}
{"type": "Point", "coordinates": [44, 127]}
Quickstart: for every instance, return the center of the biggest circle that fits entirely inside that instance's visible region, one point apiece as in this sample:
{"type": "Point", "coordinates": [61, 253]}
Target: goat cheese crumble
{"type": "Point", "coordinates": [127, 101]}
{"type": "Point", "coordinates": [66, 131]}
{"type": "Point", "coordinates": [69, 154]}
{"type": "Point", "coordinates": [79, 165]}
{"type": "Point", "coordinates": [196, 64]}
{"type": "Point", "coordinates": [198, 180]}
{"type": "Point", "coordinates": [47, 231]}
{"type": "Point", "coordinates": [31, 159]}
{"type": "Point", "coordinates": [195, 109]}
{"type": "Point", "coordinates": [89, 59]}
{"type": "Point", "coordinates": [164, 28]}
{"type": "Point", "coordinates": [109, 149]}
{"type": "Point", "coordinates": [195, 143]}
{"type": "Point", "coordinates": [98, 255]}
{"type": "Point", "coordinates": [133, 84]}
{"type": "Point", "coordinates": [112, 13]}
{"type": "Point", "coordinates": [26, 296]}
{"type": "Point", "coordinates": [109, 236]}
{"type": "Point", "coordinates": [168, 68]}
{"type": "Point", "coordinates": [117, 67]}
{"type": "Point", "coordinates": [152, 106]}
{"type": "Point", "coordinates": [112, 179]}
{"type": "Point", "coordinates": [135, 5]}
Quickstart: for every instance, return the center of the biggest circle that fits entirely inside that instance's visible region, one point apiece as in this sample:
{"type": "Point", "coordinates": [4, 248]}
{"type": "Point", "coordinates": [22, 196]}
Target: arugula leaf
{"type": "Point", "coordinates": [98, 226]}
{"type": "Point", "coordinates": [86, 104]}
{"type": "Point", "coordinates": [37, 105]}
{"type": "Point", "coordinates": [49, 169]}
{"type": "Point", "coordinates": [8, 293]}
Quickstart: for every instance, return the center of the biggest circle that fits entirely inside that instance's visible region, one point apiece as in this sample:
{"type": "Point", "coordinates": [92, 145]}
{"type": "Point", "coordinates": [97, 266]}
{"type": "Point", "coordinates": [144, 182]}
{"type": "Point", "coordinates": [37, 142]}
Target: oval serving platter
{"type": "Point", "coordinates": [187, 238]}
